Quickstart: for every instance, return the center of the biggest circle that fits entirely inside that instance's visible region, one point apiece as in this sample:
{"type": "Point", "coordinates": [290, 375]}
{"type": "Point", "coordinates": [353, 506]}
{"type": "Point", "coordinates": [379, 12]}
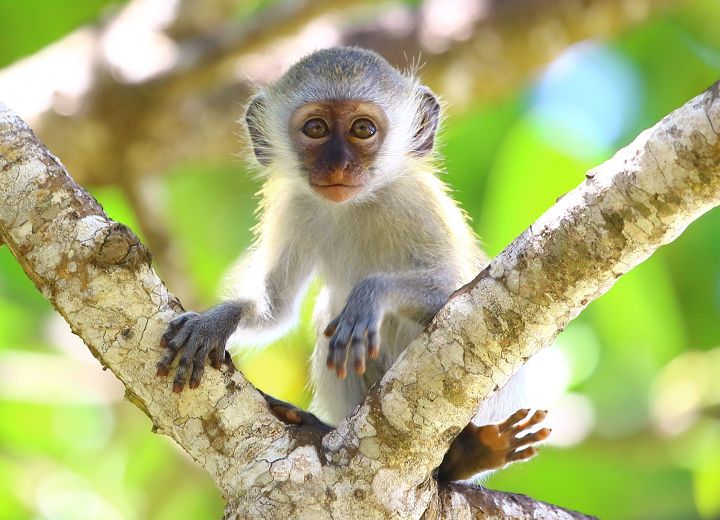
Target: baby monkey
{"type": "Point", "coordinates": [345, 142]}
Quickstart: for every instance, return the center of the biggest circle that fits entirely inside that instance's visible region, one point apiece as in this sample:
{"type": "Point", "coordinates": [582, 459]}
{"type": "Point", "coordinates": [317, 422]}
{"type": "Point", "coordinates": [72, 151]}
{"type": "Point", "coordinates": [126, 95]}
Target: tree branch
{"type": "Point", "coordinates": [480, 503]}
{"type": "Point", "coordinates": [97, 274]}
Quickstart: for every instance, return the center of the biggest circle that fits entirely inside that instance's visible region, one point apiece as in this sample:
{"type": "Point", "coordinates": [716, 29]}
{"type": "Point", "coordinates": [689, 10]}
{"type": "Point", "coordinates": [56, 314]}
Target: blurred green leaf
{"type": "Point", "coordinates": [212, 211]}
{"type": "Point", "coordinates": [10, 504]}
{"type": "Point", "coordinates": [707, 476]}
{"type": "Point", "coordinates": [640, 316]}
{"type": "Point", "coordinates": [28, 25]}
{"type": "Point", "coordinates": [17, 288]}
{"type": "Point", "coordinates": [469, 143]}
{"type": "Point", "coordinates": [694, 263]}
{"type": "Point", "coordinates": [528, 176]}
{"type": "Point", "coordinates": [672, 69]}
{"type": "Point", "coordinates": [629, 479]}
{"type": "Point", "coordinates": [581, 347]}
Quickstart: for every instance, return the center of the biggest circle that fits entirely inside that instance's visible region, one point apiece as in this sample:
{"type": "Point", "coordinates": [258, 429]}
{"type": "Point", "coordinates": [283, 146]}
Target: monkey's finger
{"type": "Point", "coordinates": [330, 329]}
{"type": "Point", "coordinates": [373, 343]}
{"type": "Point", "coordinates": [339, 351]}
{"type": "Point", "coordinates": [530, 438]}
{"type": "Point", "coordinates": [163, 366]}
{"type": "Point", "coordinates": [286, 412]}
{"type": "Point", "coordinates": [228, 362]}
{"type": "Point", "coordinates": [215, 351]}
{"type": "Point", "coordinates": [515, 418]}
{"type": "Point", "coordinates": [217, 356]}
{"type": "Point", "coordinates": [338, 342]}
{"type": "Point", "coordinates": [165, 338]}
{"type": "Point", "coordinates": [537, 417]}
{"type": "Point", "coordinates": [199, 365]}
{"type": "Point", "coordinates": [527, 453]}
{"type": "Point", "coordinates": [196, 375]}
{"type": "Point", "coordinates": [174, 346]}
{"type": "Point", "coordinates": [359, 349]}
{"type": "Point", "coordinates": [293, 415]}
{"type": "Point", "coordinates": [340, 361]}
{"type": "Point", "coordinates": [192, 345]}
{"type": "Point", "coordinates": [330, 361]}
{"type": "Point", "coordinates": [169, 335]}
{"type": "Point", "coordinates": [180, 375]}
{"type": "Point", "coordinates": [174, 326]}
{"type": "Point", "coordinates": [341, 358]}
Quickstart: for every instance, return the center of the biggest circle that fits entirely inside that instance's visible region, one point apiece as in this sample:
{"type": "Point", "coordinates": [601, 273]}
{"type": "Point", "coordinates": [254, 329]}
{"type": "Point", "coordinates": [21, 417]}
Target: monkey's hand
{"type": "Point", "coordinates": [483, 448]}
{"type": "Point", "coordinates": [356, 326]}
{"type": "Point", "coordinates": [197, 337]}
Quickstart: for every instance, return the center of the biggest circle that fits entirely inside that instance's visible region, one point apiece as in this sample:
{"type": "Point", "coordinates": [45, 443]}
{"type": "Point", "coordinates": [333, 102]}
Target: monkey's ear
{"type": "Point", "coordinates": [428, 118]}
{"type": "Point", "coordinates": [254, 114]}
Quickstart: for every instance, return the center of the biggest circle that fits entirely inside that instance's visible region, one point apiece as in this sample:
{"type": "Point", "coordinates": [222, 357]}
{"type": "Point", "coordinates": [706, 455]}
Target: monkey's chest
{"type": "Point", "coordinates": [344, 260]}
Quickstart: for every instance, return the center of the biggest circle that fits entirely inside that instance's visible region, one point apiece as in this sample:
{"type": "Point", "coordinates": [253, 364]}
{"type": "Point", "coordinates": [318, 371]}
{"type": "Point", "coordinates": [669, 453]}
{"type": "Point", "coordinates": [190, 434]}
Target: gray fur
{"type": "Point", "coordinates": [341, 73]}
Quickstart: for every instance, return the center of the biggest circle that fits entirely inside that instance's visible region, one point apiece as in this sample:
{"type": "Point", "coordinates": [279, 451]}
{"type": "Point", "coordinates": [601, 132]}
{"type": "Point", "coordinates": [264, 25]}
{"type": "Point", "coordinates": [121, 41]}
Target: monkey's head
{"type": "Point", "coordinates": [343, 122]}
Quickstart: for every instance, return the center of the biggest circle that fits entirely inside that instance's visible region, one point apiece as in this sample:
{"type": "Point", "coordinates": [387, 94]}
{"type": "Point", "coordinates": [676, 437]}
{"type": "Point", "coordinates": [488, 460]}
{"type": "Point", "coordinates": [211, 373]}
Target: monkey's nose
{"type": "Point", "coordinates": [337, 176]}
{"type": "Point", "coordinates": [339, 156]}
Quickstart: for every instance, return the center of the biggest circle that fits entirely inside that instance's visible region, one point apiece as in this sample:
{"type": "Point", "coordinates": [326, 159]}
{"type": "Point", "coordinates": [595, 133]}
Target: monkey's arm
{"type": "Point", "coordinates": [416, 295]}
{"type": "Point", "coordinates": [197, 337]}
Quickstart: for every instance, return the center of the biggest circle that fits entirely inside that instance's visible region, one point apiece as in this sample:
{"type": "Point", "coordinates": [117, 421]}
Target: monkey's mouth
{"type": "Point", "coordinates": [337, 192]}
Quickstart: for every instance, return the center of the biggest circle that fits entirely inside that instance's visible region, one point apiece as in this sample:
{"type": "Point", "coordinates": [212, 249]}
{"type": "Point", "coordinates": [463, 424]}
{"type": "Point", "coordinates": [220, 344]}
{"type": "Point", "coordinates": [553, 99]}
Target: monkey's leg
{"type": "Point", "coordinates": [290, 414]}
{"type": "Point", "coordinates": [483, 448]}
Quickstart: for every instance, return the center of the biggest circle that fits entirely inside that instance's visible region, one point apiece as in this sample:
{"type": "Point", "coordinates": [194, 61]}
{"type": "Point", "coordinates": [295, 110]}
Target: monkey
{"type": "Point", "coordinates": [345, 144]}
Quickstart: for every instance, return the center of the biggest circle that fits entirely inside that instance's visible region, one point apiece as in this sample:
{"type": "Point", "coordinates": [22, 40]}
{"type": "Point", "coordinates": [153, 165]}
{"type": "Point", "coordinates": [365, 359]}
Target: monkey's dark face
{"type": "Point", "coordinates": [337, 143]}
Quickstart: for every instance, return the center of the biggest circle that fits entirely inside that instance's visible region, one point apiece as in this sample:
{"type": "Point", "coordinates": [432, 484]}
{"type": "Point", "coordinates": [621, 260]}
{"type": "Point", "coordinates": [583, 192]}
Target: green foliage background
{"type": "Point", "coordinates": [656, 334]}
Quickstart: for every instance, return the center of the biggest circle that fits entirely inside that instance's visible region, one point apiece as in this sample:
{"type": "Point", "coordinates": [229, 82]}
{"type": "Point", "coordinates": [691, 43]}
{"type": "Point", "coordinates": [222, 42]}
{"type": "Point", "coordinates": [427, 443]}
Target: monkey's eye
{"type": "Point", "coordinates": [315, 128]}
{"type": "Point", "coordinates": [363, 128]}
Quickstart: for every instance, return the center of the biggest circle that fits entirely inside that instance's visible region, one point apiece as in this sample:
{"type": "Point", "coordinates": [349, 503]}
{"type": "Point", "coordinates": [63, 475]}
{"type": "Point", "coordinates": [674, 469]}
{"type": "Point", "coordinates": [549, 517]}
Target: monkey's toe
{"type": "Point", "coordinates": [483, 448]}
{"type": "Point", "coordinates": [286, 412]}
{"type": "Point", "coordinates": [291, 414]}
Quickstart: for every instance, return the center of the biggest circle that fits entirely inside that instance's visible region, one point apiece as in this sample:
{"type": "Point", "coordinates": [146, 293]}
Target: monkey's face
{"type": "Point", "coordinates": [337, 143]}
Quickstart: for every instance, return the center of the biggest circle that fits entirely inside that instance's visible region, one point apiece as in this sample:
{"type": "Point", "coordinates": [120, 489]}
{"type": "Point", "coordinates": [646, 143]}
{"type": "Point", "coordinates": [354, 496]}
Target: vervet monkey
{"type": "Point", "coordinates": [345, 142]}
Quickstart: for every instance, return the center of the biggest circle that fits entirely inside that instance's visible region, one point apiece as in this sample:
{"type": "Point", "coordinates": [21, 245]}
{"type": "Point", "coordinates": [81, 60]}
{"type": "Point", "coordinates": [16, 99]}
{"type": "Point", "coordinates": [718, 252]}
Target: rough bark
{"type": "Point", "coordinates": [379, 461]}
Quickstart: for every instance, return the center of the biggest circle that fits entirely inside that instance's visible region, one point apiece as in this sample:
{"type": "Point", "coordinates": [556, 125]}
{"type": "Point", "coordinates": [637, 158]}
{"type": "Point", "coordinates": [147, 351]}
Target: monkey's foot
{"type": "Point", "coordinates": [290, 414]}
{"type": "Point", "coordinates": [483, 448]}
